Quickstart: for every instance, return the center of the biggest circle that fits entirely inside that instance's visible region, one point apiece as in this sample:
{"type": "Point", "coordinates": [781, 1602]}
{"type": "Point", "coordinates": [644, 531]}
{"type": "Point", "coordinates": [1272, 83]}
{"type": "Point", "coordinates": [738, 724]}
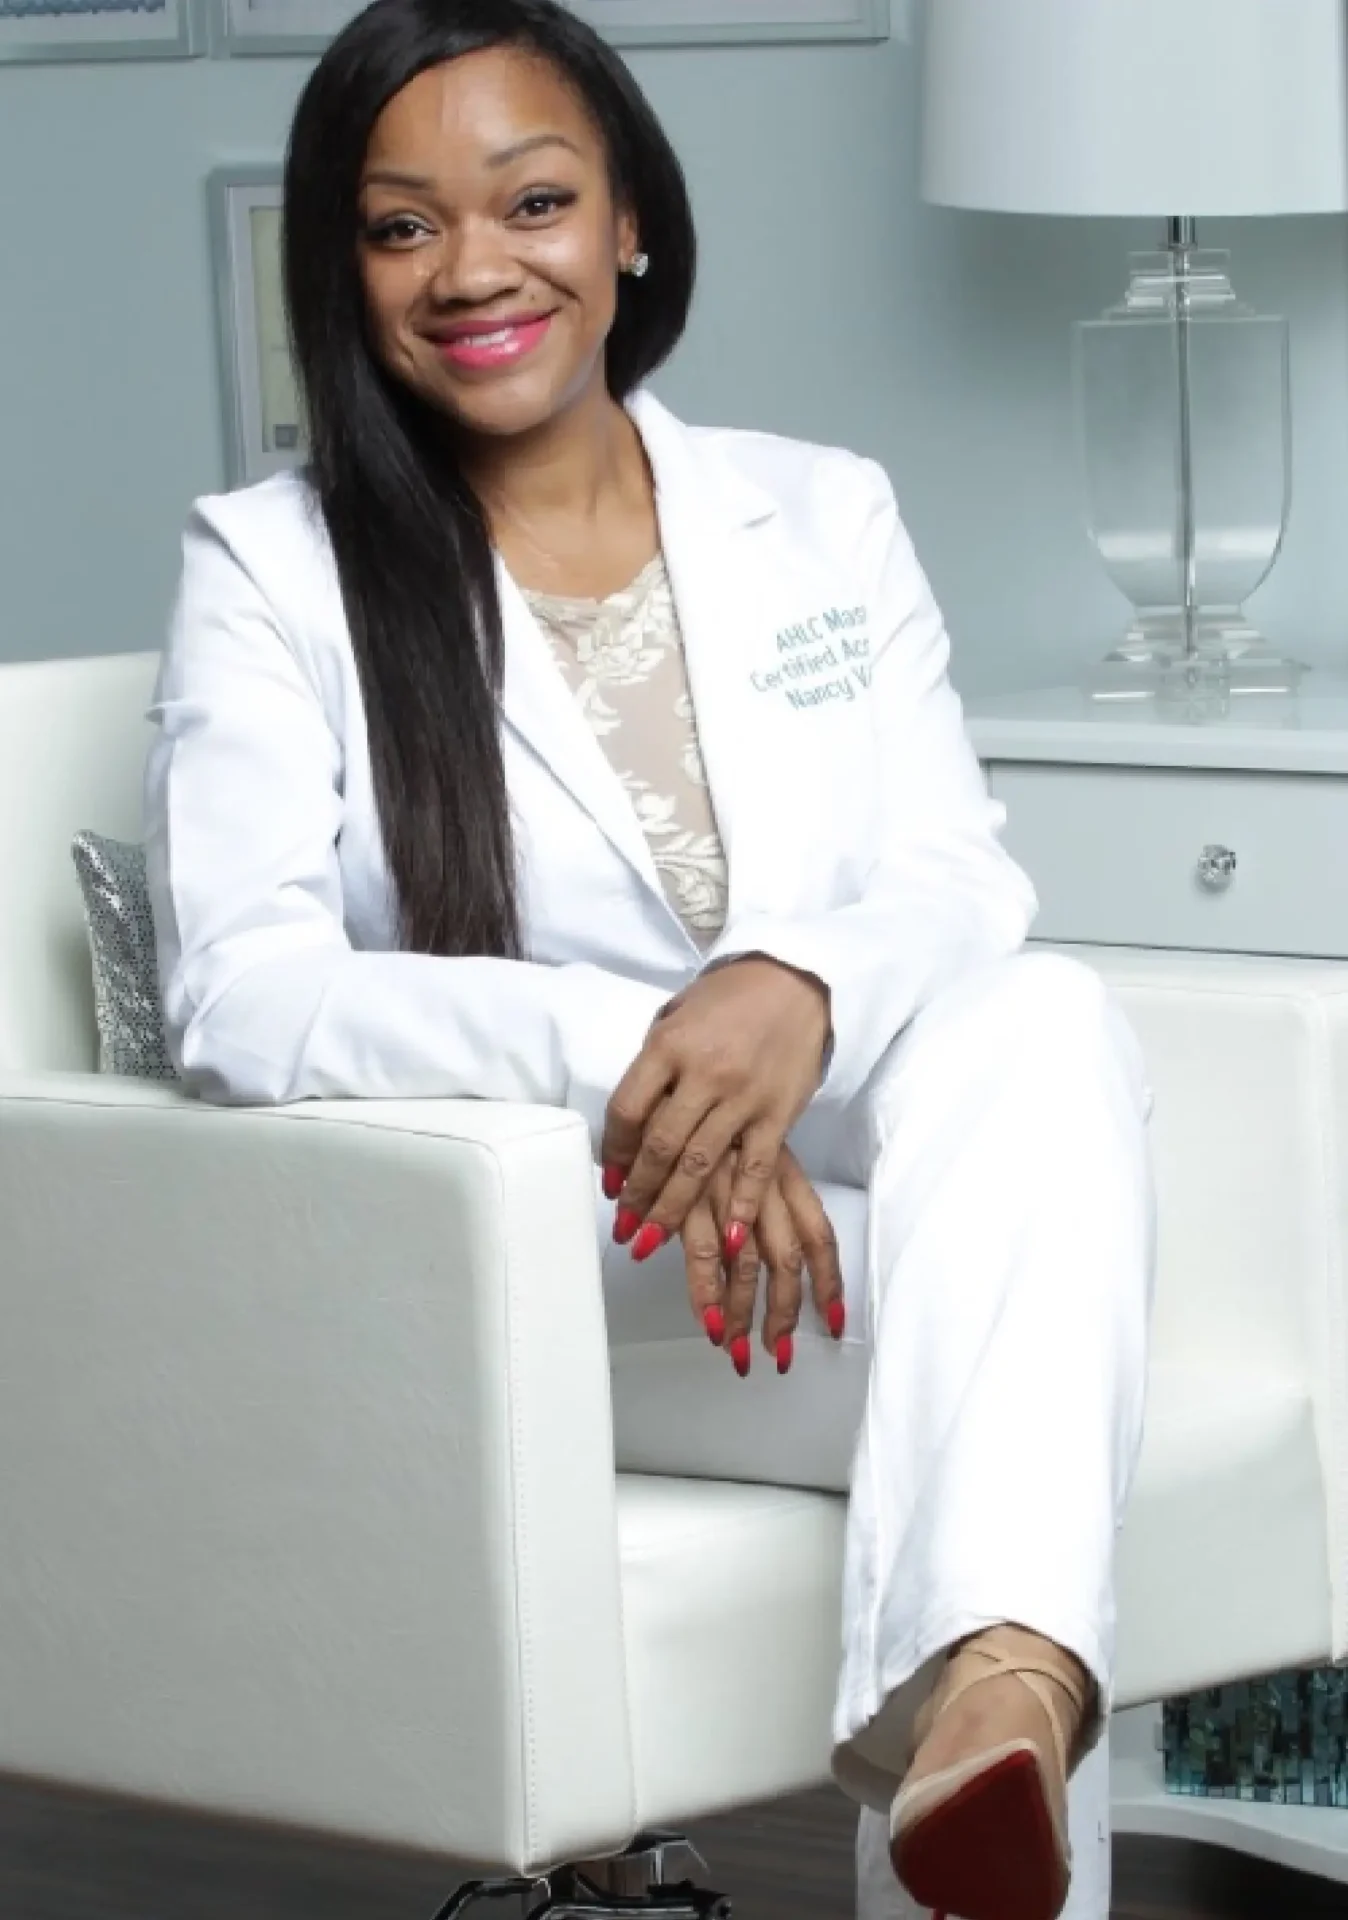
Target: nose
{"type": "Point", "coordinates": [475, 264]}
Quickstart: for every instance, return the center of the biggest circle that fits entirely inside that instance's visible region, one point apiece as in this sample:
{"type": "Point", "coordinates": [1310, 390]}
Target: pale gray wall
{"type": "Point", "coordinates": [833, 305]}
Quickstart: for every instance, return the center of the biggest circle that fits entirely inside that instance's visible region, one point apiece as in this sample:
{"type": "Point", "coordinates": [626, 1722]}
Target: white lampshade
{"type": "Point", "coordinates": [1137, 107]}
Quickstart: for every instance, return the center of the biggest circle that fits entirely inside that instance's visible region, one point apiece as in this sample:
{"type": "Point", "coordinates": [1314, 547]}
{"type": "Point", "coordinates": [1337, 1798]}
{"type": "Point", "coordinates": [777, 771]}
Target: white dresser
{"type": "Point", "coordinates": [1226, 836]}
{"type": "Point", "coordinates": [1230, 836]}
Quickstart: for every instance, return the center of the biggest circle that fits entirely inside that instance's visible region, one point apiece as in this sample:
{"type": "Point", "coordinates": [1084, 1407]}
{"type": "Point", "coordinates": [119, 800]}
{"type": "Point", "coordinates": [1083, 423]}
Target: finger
{"type": "Point", "coordinates": [755, 1167]}
{"type": "Point", "coordinates": [690, 1175]}
{"type": "Point", "coordinates": [741, 1297]}
{"type": "Point", "coordinates": [742, 1272]}
{"type": "Point", "coordinates": [719, 1189]}
{"type": "Point", "coordinates": [642, 1087]}
{"type": "Point", "coordinates": [702, 1261]}
{"type": "Point", "coordinates": [665, 1155]}
{"type": "Point", "coordinates": [785, 1264]}
{"type": "Point", "coordinates": [818, 1243]}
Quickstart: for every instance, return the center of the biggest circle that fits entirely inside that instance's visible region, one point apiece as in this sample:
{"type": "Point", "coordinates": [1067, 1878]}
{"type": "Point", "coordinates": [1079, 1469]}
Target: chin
{"type": "Point", "coordinates": [501, 415]}
{"type": "Point", "coordinates": [513, 405]}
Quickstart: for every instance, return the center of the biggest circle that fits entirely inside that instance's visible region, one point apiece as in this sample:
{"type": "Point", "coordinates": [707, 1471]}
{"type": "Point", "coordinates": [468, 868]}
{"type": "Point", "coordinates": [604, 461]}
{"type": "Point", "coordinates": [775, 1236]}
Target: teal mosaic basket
{"type": "Point", "coordinates": [1283, 1739]}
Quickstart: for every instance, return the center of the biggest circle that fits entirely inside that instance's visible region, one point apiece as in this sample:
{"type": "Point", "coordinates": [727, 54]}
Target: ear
{"type": "Point", "coordinates": [629, 240]}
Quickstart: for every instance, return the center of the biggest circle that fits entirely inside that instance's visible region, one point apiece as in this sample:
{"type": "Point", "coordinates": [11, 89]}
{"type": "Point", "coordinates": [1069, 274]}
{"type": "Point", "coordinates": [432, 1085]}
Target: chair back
{"type": "Point", "coordinates": [73, 739]}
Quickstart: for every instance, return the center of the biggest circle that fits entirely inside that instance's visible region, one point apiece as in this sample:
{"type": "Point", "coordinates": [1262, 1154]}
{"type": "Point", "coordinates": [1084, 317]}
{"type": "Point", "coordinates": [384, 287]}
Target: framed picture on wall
{"type": "Point", "coordinates": [306, 26]}
{"type": "Point", "coordinates": [668, 23]}
{"type": "Point", "coordinates": [264, 432]}
{"type": "Point", "coordinates": [100, 29]}
{"type": "Point", "coordinates": [278, 26]}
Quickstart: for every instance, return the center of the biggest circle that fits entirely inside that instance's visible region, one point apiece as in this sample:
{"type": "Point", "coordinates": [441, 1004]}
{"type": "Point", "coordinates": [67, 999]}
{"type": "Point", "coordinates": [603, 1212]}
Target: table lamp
{"type": "Point", "coordinates": [1174, 109]}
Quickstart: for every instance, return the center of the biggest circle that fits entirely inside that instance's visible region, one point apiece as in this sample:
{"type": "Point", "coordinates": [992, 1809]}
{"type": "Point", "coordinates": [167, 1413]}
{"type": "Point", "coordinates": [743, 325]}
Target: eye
{"type": "Point", "coordinates": [395, 230]}
{"type": "Point", "coordinates": [540, 203]}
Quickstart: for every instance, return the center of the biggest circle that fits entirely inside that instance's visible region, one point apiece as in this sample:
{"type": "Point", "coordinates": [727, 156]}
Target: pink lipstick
{"type": "Point", "coordinates": [478, 346]}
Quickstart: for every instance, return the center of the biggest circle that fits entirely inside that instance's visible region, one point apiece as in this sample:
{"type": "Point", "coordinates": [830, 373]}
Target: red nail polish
{"type": "Point", "coordinates": [648, 1240]}
{"type": "Point", "coordinates": [625, 1223]}
{"type": "Point", "coordinates": [784, 1354]}
{"type": "Point", "coordinates": [739, 1354]}
{"type": "Point", "coordinates": [612, 1181]}
{"type": "Point", "coordinates": [836, 1316]}
{"type": "Point", "coordinates": [735, 1236]}
{"type": "Point", "coordinates": [714, 1321]}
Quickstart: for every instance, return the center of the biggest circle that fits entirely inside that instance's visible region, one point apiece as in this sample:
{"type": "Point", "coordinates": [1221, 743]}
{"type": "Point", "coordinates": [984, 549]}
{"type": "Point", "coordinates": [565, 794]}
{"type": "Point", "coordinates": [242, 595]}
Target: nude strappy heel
{"type": "Point", "coordinates": [986, 1838]}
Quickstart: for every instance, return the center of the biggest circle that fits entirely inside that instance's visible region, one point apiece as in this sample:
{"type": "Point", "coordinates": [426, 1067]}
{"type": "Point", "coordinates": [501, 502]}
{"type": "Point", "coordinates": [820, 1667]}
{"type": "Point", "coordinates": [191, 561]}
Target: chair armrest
{"type": "Point", "coordinates": [1248, 1061]}
{"type": "Point", "coordinates": [316, 1520]}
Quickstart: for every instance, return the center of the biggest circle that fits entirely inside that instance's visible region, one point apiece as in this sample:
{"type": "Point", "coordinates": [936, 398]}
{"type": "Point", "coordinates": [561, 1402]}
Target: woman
{"type": "Point", "coordinates": [535, 746]}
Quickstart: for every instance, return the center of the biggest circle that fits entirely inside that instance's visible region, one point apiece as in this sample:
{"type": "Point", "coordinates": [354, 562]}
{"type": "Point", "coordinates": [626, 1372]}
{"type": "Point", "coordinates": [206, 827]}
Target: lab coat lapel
{"type": "Point", "coordinates": [716, 531]}
{"type": "Point", "coordinates": [716, 534]}
{"type": "Point", "coordinates": [539, 705]}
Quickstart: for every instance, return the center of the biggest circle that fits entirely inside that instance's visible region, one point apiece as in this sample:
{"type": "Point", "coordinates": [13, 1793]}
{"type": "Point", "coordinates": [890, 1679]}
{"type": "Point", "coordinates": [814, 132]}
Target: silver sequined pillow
{"type": "Point", "coordinates": [121, 940]}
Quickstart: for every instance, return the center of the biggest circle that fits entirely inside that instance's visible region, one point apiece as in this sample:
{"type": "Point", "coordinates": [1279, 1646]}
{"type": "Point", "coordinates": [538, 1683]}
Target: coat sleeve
{"type": "Point", "coordinates": [942, 895]}
{"type": "Point", "coordinates": [265, 998]}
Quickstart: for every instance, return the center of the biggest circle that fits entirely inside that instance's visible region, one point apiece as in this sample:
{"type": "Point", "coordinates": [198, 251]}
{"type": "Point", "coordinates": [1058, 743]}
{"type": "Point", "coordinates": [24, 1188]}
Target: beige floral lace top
{"type": "Point", "coordinates": [623, 659]}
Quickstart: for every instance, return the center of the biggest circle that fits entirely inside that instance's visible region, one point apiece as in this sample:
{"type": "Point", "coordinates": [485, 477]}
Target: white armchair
{"type": "Point", "coordinates": [310, 1509]}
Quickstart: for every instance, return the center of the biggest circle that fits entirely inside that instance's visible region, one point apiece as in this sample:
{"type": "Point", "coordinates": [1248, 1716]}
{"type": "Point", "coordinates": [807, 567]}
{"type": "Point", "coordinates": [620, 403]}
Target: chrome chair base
{"type": "Point", "coordinates": [639, 1881]}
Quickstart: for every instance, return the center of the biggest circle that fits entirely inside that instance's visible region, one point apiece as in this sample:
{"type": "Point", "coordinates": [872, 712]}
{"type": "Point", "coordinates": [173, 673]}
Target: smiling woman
{"type": "Point", "coordinates": [495, 195]}
{"type": "Point", "coordinates": [532, 745]}
{"type": "Point", "coordinates": [522, 229]}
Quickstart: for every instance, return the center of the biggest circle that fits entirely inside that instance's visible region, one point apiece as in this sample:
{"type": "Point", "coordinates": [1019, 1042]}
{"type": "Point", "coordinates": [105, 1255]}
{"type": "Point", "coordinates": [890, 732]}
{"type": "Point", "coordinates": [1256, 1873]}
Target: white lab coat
{"type": "Point", "coordinates": [977, 1139]}
{"type": "Point", "coordinates": [860, 838]}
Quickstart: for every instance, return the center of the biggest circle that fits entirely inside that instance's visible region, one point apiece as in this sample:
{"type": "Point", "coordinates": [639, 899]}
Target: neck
{"type": "Point", "coordinates": [573, 467]}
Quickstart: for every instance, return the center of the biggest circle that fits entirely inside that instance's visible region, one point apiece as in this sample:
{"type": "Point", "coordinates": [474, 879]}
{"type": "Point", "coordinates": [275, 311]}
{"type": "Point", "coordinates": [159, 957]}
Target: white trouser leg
{"type": "Point", "coordinates": [1010, 1230]}
{"type": "Point", "coordinates": [994, 1362]}
{"type": "Point", "coordinates": [880, 1897]}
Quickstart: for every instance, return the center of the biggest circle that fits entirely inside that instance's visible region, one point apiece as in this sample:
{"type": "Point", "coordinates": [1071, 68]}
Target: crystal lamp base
{"type": "Point", "coordinates": [1222, 656]}
{"type": "Point", "coordinates": [1161, 635]}
{"type": "Point", "coordinates": [1199, 685]}
{"type": "Point", "coordinates": [1183, 397]}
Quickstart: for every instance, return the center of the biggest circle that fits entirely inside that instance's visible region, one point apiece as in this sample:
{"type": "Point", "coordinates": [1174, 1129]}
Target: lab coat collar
{"type": "Point", "coordinates": [682, 456]}
{"type": "Point", "coordinates": [704, 505]}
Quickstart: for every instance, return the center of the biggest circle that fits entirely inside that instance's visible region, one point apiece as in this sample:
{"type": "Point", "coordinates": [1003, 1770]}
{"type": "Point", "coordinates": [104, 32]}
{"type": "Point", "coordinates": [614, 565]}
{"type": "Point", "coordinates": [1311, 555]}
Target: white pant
{"type": "Point", "coordinates": [992, 1198]}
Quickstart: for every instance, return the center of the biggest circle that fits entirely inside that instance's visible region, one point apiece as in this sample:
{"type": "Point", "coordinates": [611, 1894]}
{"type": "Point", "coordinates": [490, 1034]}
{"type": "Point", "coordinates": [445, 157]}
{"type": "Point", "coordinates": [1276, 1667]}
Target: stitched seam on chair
{"type": "Point", "coordinates": [785, 1520]}
{"type": "Point", "coordinates": [1225, 966]}
{"type": "Point", "coordinates": [523, 1538]}
{"type": "Point", "coordinates": [161, 1100]}
{"type": "Point", "coordinates": [1214, 990]}
{"type": "Point", "coordinates": [520, 1532]}
{"type": "Point", "coordinates": [709, 1536]}
{"type": "Point", "coordinates": [512, 1476]}
{"type": "Point", "coordinates": [565, 1123]}
{"type": "Point", "coordinates": [174, 1102]}
{"type": "Point", "coordinates": [1334, 1329]}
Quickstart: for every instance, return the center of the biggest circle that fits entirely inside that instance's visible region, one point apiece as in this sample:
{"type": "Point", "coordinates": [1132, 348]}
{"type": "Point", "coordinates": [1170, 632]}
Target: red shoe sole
{"type": "Point", "coordinates": [989, 1852]}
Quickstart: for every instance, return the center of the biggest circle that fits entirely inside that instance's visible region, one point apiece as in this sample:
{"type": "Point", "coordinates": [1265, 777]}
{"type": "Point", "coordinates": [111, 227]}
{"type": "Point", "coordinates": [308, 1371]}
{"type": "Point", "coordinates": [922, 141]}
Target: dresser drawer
{"type": "Point", "coordinates": [1115, 855]}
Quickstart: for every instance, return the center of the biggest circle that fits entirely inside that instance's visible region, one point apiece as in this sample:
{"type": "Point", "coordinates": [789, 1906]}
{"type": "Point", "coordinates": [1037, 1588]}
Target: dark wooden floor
{"type": "Point", "coordinates": [71, 1857]}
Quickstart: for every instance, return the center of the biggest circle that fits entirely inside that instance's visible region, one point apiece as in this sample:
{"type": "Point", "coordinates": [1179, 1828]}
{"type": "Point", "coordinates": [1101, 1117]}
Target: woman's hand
{"type": "Point", "coordinates": [731, 1063]}
{"type": "Point", "coordinates": [793, 1237]}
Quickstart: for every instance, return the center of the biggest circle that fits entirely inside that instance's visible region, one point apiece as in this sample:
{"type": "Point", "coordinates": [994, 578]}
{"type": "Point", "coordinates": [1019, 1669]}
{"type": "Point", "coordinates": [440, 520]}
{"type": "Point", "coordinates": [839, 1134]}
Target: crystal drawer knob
{"type": "Point", "coordinates": [1216, 868]}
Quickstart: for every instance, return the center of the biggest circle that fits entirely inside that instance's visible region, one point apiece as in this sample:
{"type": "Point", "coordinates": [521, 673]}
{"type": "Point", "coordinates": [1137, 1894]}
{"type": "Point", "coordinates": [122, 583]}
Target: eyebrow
{"type": "Point", "coordinates": [506, 154]}
{"type": "Point", "coordinates": [421, 183]}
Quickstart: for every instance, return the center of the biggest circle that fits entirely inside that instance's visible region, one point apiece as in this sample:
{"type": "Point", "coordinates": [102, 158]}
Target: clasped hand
{"type": "Point", "coordinates": [694, 1144]}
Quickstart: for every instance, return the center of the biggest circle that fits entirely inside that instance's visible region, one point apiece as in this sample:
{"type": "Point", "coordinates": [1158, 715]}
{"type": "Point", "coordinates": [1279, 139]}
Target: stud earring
{"type": "Point", "coordinates": [638, 264]}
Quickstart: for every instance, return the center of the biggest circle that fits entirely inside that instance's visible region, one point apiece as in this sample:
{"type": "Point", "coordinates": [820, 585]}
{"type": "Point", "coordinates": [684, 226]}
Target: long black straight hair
{"type": "Point", "coordinates": [409, 536]}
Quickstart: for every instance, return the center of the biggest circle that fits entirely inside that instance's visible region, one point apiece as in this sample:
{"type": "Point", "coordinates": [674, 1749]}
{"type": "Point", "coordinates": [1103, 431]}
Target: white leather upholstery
{"type": "Point", "coordinates": [318, 1513]}
{"type": "Point", "coordinates": [731, 1601]}
{"type": "Point", "coordinates": [1223, 1562]}
{"type": "Point", "coordinates": [317, 1516]}
{"type": "Point", "coordinates": [72, 743]}
{"type": "Point", "coordinates": [1249, 1062]}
